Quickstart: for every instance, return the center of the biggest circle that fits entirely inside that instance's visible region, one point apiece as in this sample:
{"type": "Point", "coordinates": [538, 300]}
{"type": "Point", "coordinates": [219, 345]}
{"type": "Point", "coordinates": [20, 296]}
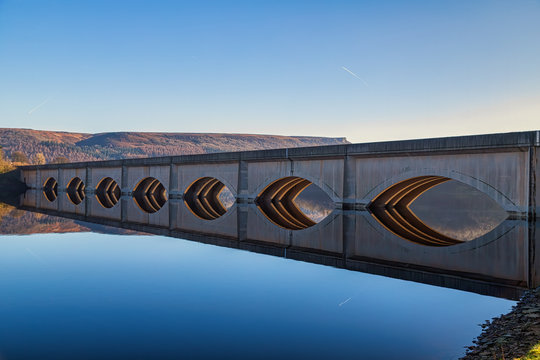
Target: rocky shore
{"type": "Point", "coordinates": [511, 335]}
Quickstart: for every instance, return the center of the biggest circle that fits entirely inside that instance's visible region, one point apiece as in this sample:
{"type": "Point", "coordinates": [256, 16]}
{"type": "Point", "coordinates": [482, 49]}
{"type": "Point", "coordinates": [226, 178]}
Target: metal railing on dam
{"type": "Point", "coordinates": [371, 186]}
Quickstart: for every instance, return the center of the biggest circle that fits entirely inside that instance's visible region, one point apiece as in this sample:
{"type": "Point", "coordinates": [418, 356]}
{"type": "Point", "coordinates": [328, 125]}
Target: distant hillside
{"type": "Point", "coordinates": [119, 145]}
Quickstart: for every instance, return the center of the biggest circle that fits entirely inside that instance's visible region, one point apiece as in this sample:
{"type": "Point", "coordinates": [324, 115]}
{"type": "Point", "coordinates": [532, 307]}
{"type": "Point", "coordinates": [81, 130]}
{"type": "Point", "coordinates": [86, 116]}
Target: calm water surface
{"type": "Point", "coordinates": [91, 295]}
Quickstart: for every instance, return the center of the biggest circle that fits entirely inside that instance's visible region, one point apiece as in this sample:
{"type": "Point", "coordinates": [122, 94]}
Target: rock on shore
{"type": "Point", "coordinates": [511, 335]}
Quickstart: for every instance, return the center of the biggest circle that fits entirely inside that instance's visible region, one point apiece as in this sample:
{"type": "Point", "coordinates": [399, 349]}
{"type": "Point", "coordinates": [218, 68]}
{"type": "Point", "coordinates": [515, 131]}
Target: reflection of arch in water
{"type": "Point", "coordinates": [108, 192]}
{"type": "Point", "coordinates": [202, 198]}
{"type": "Point", "coordinates": [276, 202]}
{"type": "Point", "coordinates": [50, 189]}
{"type": "Point", "coordinates": [75, 191]}
{"type": "Point", "coordinates": [150, 195]}
{"type": "Point", "coordinates": [495, 194]}
{"type": "Point", "coordinates": [391, 208]}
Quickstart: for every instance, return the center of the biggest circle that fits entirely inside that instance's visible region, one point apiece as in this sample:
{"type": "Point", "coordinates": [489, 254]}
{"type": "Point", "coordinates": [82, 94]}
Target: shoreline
{"type": "Point", "coordinates": [512, 335]}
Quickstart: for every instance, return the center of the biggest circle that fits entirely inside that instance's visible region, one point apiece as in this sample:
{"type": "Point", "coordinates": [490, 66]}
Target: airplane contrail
{"type": "Point", "coordinates": [34, 255]}
{"type": "Point", "coordinates": [40, 105]}
{"type": "Point", "coordinates": [356, 76]}
{"type": "Point", "coordinates": [346, 301]}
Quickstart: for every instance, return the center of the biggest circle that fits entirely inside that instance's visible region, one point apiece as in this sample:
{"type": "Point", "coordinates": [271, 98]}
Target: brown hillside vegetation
{"type": "Point", "coordinates": [118, 145]}
{"type": "Point", "coordinates": [20, 222]}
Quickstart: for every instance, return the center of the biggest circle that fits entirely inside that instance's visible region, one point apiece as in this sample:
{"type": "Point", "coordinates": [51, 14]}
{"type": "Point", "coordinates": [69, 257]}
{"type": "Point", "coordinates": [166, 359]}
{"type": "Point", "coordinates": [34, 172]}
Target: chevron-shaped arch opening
{"type": "Point", "coordinates": [150, 195]}
{"type": "Point", "coordinates": [75, 191]}
{"type": "Point", "coordinates": [108, 192]}
{"type": "Point", "coordinates": [277, 202]}
{"type": "Point", "coordinates": [444, 208]}
{"type": "Point", "coordinates": [208, 198]}
{"type": "Point", "coordinates": [50, 189]}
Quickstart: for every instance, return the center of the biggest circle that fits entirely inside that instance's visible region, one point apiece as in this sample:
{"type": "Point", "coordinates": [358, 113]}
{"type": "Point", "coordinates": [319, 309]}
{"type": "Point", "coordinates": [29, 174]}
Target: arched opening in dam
{"type": "Point", "coordinates": [208, 198]}
{"type": "Point", "coordinates": [75, 191]}
{"type": "Point", "coordinates": [436, 211]}
{"type": "Point", "coordinates": [150, 195]}
{"type": "Point", "coordinates": [294, 203]}
{"type": "Point", "coordinates": [50, 189]}
{"type": "Point", "coordinates": [108, 192]}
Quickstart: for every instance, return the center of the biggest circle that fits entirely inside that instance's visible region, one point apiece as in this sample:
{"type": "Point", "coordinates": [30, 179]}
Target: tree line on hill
{"type": "Point", "coordinates": [18, 158]}
{"type": "Point", "coordinates": [27, 146]}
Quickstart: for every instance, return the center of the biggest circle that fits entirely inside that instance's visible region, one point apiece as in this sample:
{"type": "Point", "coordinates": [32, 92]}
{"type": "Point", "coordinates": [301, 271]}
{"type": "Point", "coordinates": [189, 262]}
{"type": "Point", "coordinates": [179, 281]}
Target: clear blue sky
{"type": "Point", "coordinates": [367, 70]}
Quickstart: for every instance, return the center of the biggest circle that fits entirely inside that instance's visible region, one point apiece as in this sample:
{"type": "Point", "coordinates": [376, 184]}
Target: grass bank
{"type": "Point", "coordinates": [533, 354]}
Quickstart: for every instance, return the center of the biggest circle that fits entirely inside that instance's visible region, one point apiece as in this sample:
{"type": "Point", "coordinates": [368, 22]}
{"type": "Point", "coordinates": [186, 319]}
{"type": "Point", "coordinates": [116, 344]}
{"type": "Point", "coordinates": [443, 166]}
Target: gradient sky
{"type": "Point", "coordinates": [367, 70]}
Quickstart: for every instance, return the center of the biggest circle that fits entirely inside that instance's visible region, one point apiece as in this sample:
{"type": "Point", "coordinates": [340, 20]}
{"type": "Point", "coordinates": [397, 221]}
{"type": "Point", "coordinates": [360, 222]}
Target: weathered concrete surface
{"type": "Point", "coordinates": [259, 228]}
{"type": "Point", "coordinates": [96, 174]}
{"type": "Point", "coordinates": [94, 208]}
{"type": "Point", "coordinates": [132, 213]}
{"type": "Point", "coordinates": [65, 176]}
{"type": "Point", "coordinates": [227, 173]}
{"type": "Point", "coordinates": [135, 174]}
{"type": "Point", "coordinates": [29, 177]}
{"type": "Point", "coordinates": [504, 176]}
{"type": "Point", "coordinates": [322, 236]}
{"type": "Point", "coordinates": [185, 219]}
{"type": "Point", "coordinates": [534, 155]}
{"type": "Point", "coordinates": [326, 174]}
{"type": "Point", "coordinates": [502, 253]}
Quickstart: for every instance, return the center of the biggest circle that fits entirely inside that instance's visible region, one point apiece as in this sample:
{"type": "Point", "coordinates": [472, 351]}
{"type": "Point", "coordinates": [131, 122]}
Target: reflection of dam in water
{"type": "Point", "coordinates": [498, 263]}
{"type": "Point", "coordinates": [360, 206]}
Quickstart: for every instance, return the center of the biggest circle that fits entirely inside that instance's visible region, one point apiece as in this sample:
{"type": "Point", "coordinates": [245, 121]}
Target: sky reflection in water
{"type": "Point", "coordinates": [89, 295]}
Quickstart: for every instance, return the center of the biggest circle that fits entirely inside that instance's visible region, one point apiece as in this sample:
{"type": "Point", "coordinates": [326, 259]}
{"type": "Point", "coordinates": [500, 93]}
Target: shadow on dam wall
{"type": "Point", "coordinates": [11, 187]}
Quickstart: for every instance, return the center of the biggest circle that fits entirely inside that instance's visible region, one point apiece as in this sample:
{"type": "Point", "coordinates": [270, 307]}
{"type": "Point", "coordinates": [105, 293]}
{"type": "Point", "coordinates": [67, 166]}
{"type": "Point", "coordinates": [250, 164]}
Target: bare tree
{"type": "Point", "coordinates": [19, 157]}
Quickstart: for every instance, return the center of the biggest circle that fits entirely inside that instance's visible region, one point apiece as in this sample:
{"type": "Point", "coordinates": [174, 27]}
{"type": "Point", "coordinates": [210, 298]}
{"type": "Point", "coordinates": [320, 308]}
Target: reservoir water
{"type": "Point", "coordinates": [115, 283]}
